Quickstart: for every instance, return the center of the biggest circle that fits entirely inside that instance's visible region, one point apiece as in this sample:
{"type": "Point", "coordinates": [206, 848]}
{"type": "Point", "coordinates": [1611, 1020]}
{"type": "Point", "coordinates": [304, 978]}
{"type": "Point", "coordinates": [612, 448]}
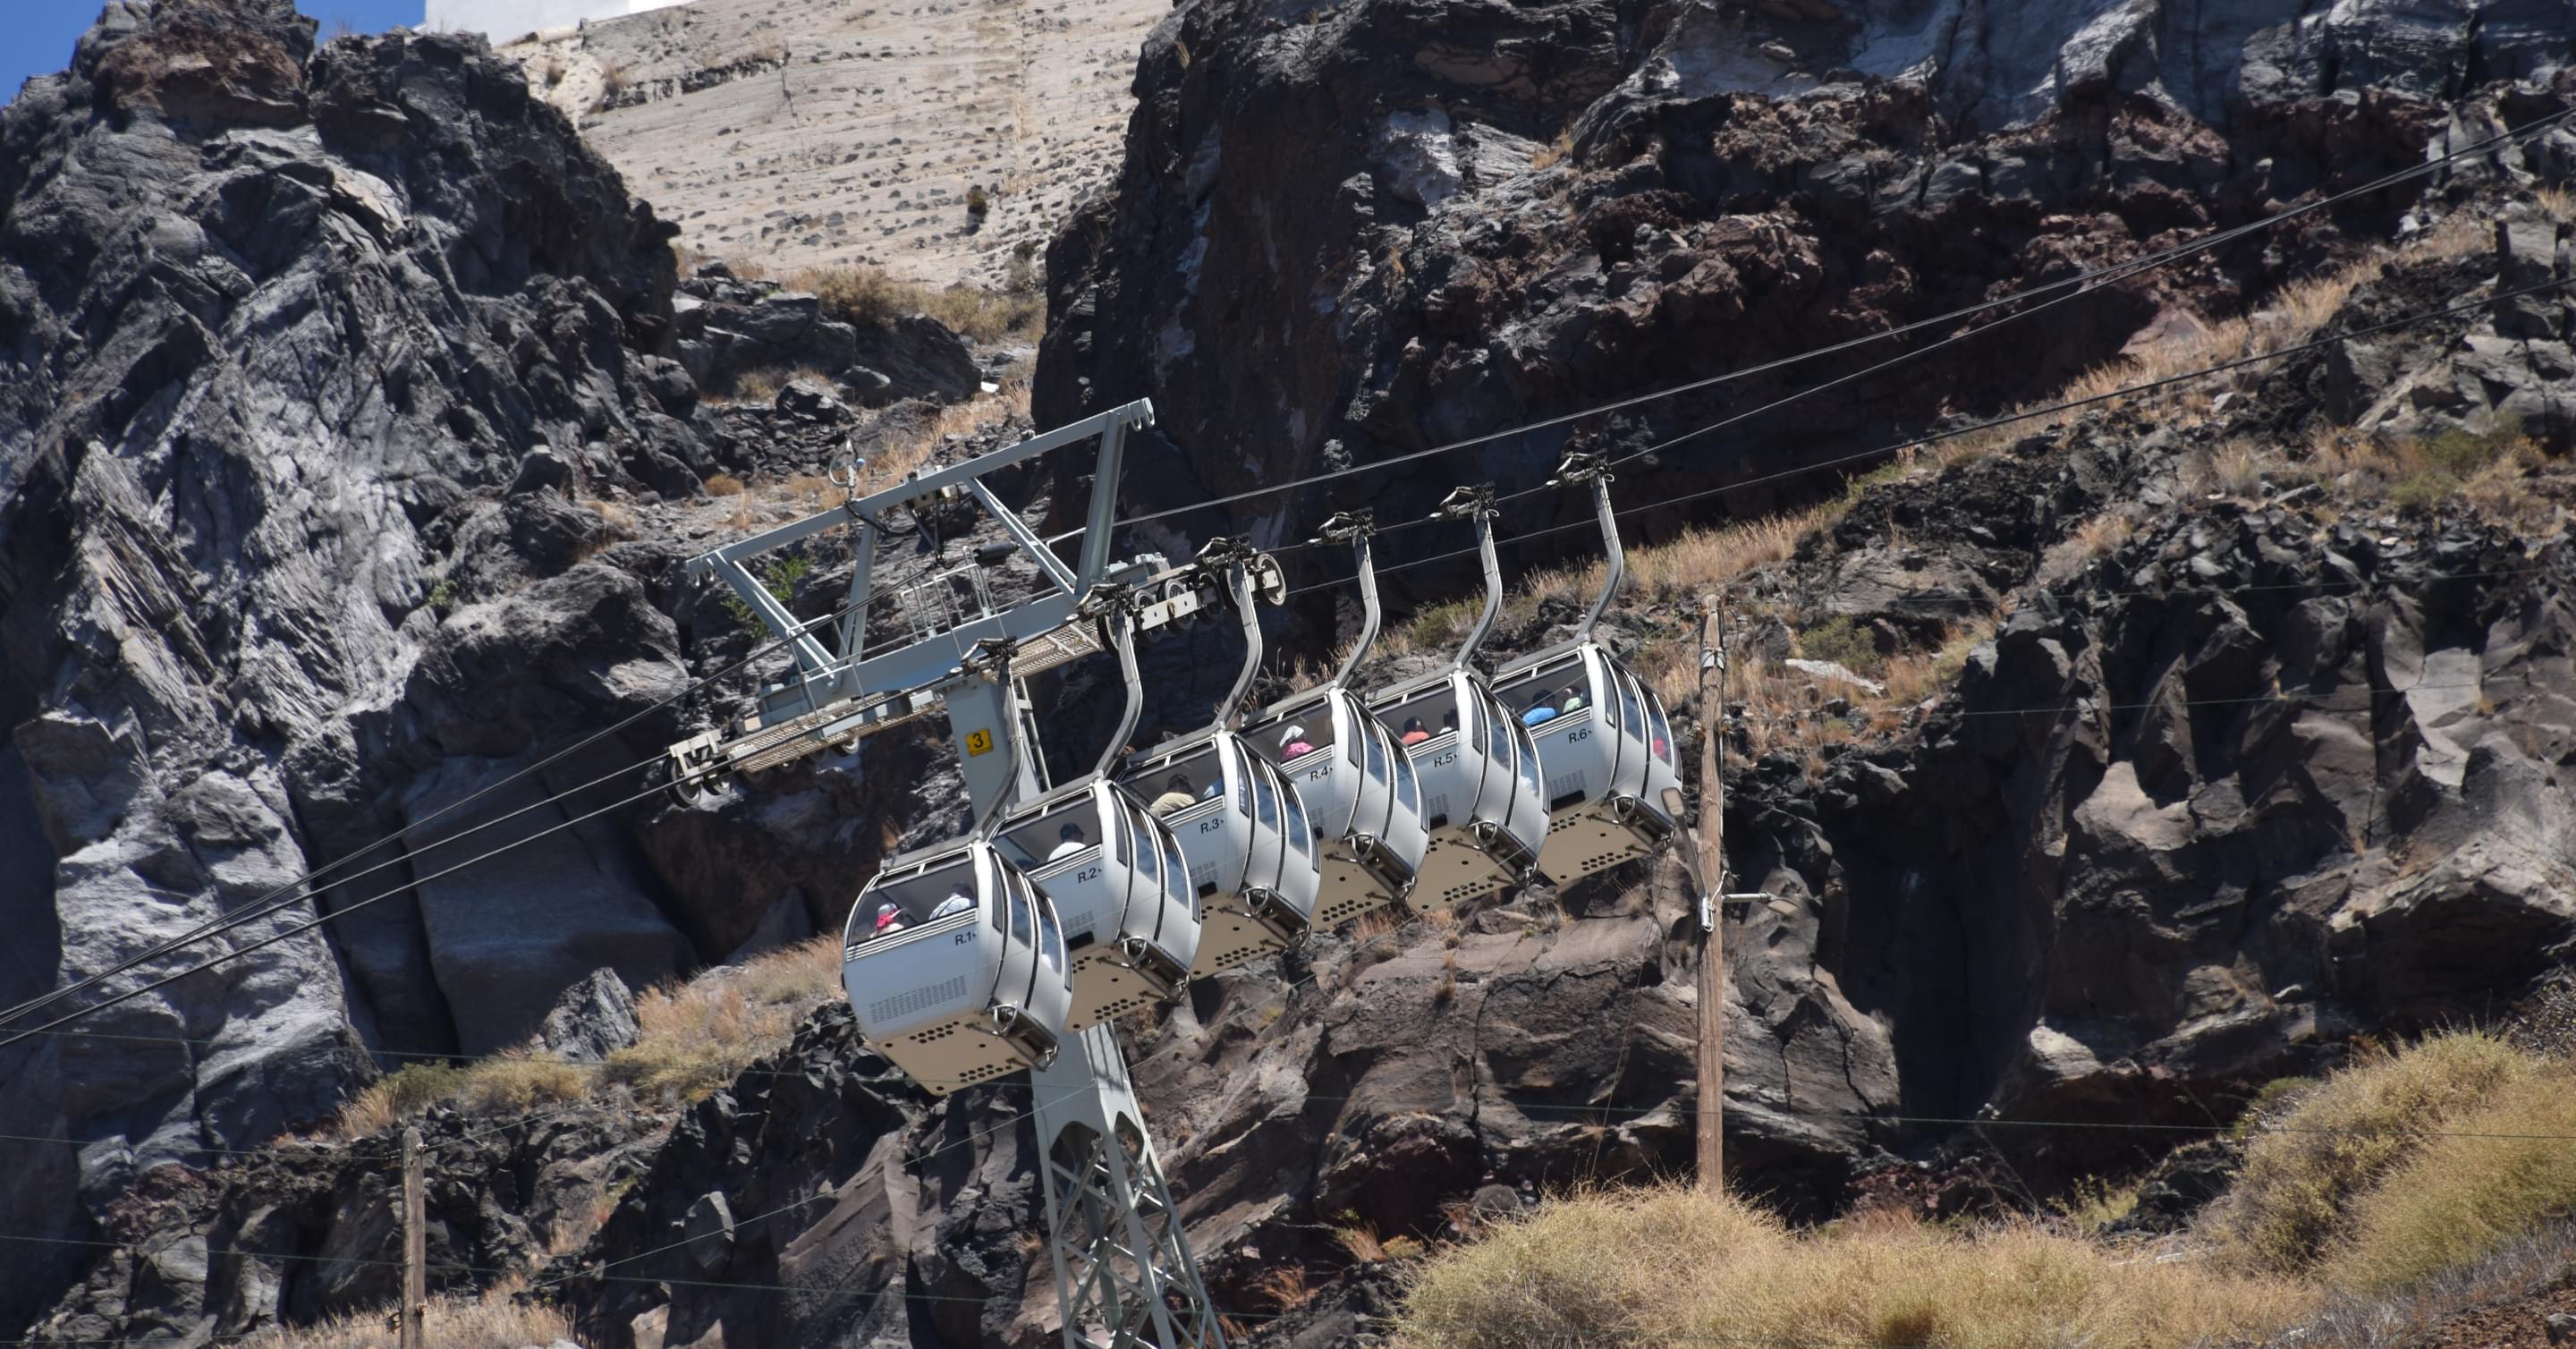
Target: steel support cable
{"type": "Point", "coordinates": [2092, 279]}
{"type": "Point", "coordinates": [271, 902]}
{"type": "Point", "coordinates": [1936, 437]}
{"type": "Point", "coordinates": [2105, 275]}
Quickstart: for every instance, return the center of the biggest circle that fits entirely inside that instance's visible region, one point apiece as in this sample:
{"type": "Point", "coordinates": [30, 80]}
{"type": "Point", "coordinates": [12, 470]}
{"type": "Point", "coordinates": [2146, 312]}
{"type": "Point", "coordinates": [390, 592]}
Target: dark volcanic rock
{"type": "Point", "coordinates": [1383, 226]}
{"type": "Point", "coordinates": [280, 329]}
{"type": "Point", "coordinates": [313, 1230]}
{"type": "Point", "coordinates": [729, 329]}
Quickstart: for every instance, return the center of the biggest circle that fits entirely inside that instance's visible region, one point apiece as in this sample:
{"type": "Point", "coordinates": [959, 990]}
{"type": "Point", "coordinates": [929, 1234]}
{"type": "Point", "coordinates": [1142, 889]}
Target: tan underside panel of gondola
{"type": "Point", "coordinates": [1104, 988]}
{"type": "Point", "coordinates": [961, 1051]}
{"type": "Point", "coordinates": [1583, 841]}
{"type": "Point", "coordinates": [1455, 870]}
{"type": "Point", "coordinates": [1349, 890]}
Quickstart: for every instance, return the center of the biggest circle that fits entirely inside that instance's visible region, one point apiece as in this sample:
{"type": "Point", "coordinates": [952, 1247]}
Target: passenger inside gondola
{"type": "Point", "coordinates": [1293, 744]}
{"type": "Point", "coordinates": [1070, 841]}
{"type": "Point", "coordinates": [890, 919]}
{"type": "Point", "coordinates": [1449, 721]}
{"type": "Point", "coordinates": [1176, 796]}
{"type": "Point", "coordinates": [1539, 712]}
{"type": "Point", "coordinates": [958, 901]}
{"type": "Point", "coordinates": [1414, 734]}
{"type": "Point", "coordinates": [1571, 699]}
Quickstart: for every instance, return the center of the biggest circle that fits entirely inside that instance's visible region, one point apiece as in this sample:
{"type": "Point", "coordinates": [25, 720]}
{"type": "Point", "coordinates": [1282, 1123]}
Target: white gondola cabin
{"type": "Point", "coordinates": [1605, 755]}
{"type": "Point", "coordinates": [1605, 747]}
{"type": "Point", "coordinates": [1253, 861]}
{"type": "Point", "coordinates": [1475, 767]}
{"type": "Point", "coordinates": [1246, 838]}
{"type": "Point", "coordinates": [955, 966]}
{"type": "Point", "coordinates": [1116, 877]}
{"type": "Point", "coordinates": [1356, 782]}
{"type": "Point", "coordinates": [1478, 776]}
{"type": "Point", "coordinates": [1360, 793]}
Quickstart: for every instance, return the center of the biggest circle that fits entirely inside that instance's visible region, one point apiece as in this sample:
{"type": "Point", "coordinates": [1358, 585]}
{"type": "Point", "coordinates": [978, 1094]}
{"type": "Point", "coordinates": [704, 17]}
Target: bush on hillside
{"type": "Point", "coordinates": [2501, 1173]}
{"type": "Point", "coordinates": [2306, 1166]}
{"type": "Point", "coordinates": [1678, 1266]}
{"type": "Point", "coordinates": [867, 296]}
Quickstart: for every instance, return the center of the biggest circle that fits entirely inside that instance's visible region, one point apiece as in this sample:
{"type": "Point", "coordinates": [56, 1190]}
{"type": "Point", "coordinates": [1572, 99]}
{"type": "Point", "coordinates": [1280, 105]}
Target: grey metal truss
{"type": "Point", "coordinates": [1124, 1275]}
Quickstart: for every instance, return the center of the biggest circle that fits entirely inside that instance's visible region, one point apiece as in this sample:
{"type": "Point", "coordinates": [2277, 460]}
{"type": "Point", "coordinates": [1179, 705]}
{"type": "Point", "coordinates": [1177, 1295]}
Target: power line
{"type": "Point", "coordinates": [2091, 279]}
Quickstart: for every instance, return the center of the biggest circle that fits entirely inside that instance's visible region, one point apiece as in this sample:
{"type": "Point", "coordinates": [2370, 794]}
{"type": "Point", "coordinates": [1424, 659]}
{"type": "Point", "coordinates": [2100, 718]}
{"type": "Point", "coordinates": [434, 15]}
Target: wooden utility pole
{"type": "Point", "coordinates": [415, 1291]}
{"type": "Point", "coordinates": [1711, 874]}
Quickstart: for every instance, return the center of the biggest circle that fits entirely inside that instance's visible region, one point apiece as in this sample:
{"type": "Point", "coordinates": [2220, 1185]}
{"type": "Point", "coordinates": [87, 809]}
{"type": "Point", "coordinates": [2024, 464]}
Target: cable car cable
{"type": "Point", "coordinates": [2093, 279]}
{"type": "Point", "coordinates": [263, 906]}
{"type": "Point", "coordinates": [1953, 433]}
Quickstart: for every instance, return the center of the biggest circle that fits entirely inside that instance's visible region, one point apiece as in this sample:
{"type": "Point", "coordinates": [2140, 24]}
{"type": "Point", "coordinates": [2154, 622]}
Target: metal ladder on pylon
{"type": "Point", "coordinates": [1125, 1278]}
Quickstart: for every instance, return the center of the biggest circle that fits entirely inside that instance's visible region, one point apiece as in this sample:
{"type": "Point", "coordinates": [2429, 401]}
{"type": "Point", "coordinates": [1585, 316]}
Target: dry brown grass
{"type": "Point", "coordinates": [1553, 153]}
{"type": "Point", "coordinates": [492, 1321]}
{"type": "Point", "coordinates": [1671, 1265]}
{"type": "Point", "coordinates": [2488, 469]}
{"type": "Point", "coordinates": [2505, 1173]}
{"type": "Point", "coordinates": [695, 1036]}
{"type": "Point", "coordinates": [699, 1035]}
{"type": "Point", "coordinates": [724, 485]}
{"type": "Point", "coordinates": [2306, 1167]}
{"type": "Point", "coordinates": [867, 295]}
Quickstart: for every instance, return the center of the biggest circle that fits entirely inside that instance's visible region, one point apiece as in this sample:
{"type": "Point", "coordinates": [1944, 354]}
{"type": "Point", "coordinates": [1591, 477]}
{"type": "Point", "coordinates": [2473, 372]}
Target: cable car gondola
{"type": "Point", "coordinates": [1244, 833]}
{"type": "Point", "coordinates": [954, 962]}
{"type": "Point", "coordinates": [1475, 765]}
{"type": "Point", "coordinates": [967, 984]}
{"type": "Point", "coordinates": [1605, 748]}
{"type": "Point", "coordinates": [1114, 873]}
{"type": "Point", "coordinates": [1357, 785]}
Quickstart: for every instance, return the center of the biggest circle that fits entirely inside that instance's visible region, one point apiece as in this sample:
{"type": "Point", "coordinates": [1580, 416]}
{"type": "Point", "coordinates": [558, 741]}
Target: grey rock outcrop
{"type": "Point", "coordinates": [593, 1019]}
{"type": "Point", "coordinates": [728, 329]}
{"type": "Point", "coordinates": [1403, 224]}
{"type": "Point", "coordinates": [280, 329]}
{"type": "Point", "coordinates": [315, 1229]}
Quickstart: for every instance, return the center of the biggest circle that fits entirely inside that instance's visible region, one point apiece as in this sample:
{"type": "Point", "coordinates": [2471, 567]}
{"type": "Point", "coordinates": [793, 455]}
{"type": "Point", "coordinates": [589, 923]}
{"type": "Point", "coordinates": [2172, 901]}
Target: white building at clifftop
{"type": "Point", "coordinates": [505, 20]}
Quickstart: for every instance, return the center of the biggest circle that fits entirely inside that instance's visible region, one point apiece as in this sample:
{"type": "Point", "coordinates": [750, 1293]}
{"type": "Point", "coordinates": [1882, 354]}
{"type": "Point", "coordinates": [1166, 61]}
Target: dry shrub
{"type": "Point", "coordinates": [2503, 1173]}
{"type": "Point", "coordinates": [619, 517]}
{"type": "Point", "coordinates": [1914, 677]}
{"type": "Point", "coordinates": [697, 1036]}
{"type": "Point", "coordinates": [491, 1321]}
{"type": "Point", "coordinates": [1671, 1265]}
{"type": "Point", "coordinates": [2098, 536]}
{"type": "Point", "coordinates": [724, 485]}
{"type": "Point", "coordinates": [1285, 1288]}
{"type": "Point", "coordinates": [866, 295]}
{"type": "Point", "coordinates": [1553, 153]}
{"type": "Point", "coordinates": [397, 1095]}
{"type": "Point", "coordinates": [521, 1079]}
{"type": "Point", "coordinates": [2304, 1171]}
{"type": "Point", "coordinates": [2524, 1267]}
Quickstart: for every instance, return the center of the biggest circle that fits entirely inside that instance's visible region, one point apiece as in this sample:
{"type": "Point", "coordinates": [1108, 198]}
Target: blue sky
{"type": "Point", "coordinates": [36, 36]}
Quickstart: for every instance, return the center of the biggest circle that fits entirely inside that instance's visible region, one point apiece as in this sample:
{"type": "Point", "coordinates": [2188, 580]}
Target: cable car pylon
{"type": "Point", "coordinates": [970, 976]}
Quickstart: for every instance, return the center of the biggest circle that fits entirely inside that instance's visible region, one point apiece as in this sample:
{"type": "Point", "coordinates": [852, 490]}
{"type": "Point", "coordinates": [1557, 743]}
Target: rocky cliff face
{"type": "Point", "coordinates": [1346, 232]}
{"type": "Point", "coordinates": [285, 331]}
{"type": "Point", "coordinates": [352, 446]}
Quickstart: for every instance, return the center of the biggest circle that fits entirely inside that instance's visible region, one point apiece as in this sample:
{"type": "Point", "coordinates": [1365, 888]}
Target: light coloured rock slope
{"type": "Point", "coordinates": [798, 133]}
